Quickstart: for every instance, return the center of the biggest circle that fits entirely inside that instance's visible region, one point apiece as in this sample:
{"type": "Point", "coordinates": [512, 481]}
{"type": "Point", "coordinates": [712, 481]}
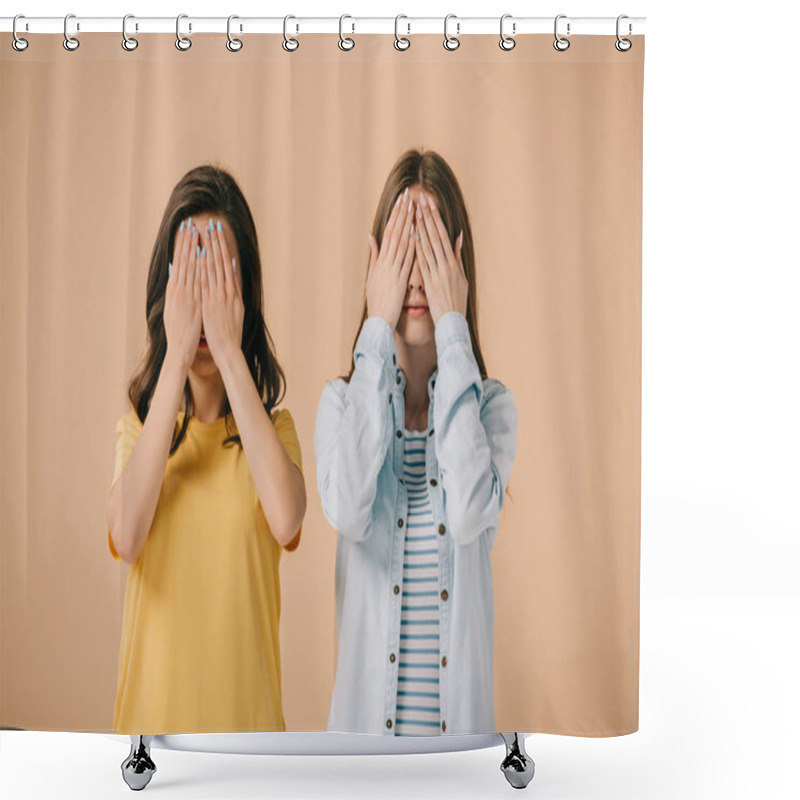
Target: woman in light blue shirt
{"type": "Point", "coordinates": [414, 449]}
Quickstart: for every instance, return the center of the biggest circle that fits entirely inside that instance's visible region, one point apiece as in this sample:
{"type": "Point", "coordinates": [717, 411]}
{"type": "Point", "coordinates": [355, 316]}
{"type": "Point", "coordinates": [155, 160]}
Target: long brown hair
{"type": "Point", "coordinates": [208, 189]}
{"type": "Point", "coordinates": [428, 169]}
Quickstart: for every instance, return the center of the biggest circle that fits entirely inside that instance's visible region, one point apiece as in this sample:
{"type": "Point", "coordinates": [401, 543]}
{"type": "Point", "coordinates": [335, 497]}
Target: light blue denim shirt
{"type": "Point", "coordinates": [359, 447]}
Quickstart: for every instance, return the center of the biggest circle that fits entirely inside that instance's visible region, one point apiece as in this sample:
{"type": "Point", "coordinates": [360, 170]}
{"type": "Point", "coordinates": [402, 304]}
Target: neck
{"type": "Point", "coordinates": [418, 363]}
{"type": "Point", "coordinates": [208, 395]}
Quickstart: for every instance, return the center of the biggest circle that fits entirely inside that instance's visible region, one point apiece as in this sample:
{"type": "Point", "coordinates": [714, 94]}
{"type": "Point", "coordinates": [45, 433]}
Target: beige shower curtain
{"type": "Point", "coordinates": [547, 147]}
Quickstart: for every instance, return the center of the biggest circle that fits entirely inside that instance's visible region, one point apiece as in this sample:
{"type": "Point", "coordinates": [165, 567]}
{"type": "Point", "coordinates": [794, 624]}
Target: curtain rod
{"type": "Point", "coordinates": [347, 24]}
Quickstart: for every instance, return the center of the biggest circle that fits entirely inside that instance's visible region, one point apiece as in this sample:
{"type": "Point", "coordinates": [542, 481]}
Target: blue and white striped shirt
{"type": "Point", "coordinates": [418, 671]}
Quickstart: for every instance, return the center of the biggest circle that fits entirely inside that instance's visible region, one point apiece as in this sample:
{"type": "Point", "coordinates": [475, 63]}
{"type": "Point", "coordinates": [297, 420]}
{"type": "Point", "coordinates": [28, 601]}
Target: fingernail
{"type": "Point", "coordinates": [204, 251]}
{"type": "Point", "coordinates": [234, 265]}
{"type": "Point", "coordinates": [219, 226]}
{"type": "Point", "coordinates": [169, 270]}
{"type": "Point", "coordinates": [461, 240]}
{"type": "Point", "coordinates": [422, 199]}
{"type": "Point", "coordinates": [399, 198]}
{"type": "Point", "coordinates": [190, 220]}
{"type": "Point", "coordinates": [182, 226]}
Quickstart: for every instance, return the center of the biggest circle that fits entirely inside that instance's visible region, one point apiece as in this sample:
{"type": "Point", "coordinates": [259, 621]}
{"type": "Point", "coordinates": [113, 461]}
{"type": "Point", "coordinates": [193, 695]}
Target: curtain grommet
{"type": "Point", "coordinates": [70, 43]}
{"type": "Point", "coordinates": [451, 42]}
{"type": "Point", "coordinates": [623, 45]}
{"type": "Point", "coordinates": [561, 44]}
{"type": "Point", "coordinates": [233, 44]}
{"type": "Point", "coordinates": [346, 43]}
{"type": "Point", "coordinates": [401, 42]}
{"type": "Point", "coordinates": [129, 43]}
{"type": "Point", "coordinates": [507, 42]}
{"type": "Point", "coordinates": [290, 44]}
{"type": "Point", "coordinates": [182, 42]}
{"type": "Point", "coordinates": [17, 42]}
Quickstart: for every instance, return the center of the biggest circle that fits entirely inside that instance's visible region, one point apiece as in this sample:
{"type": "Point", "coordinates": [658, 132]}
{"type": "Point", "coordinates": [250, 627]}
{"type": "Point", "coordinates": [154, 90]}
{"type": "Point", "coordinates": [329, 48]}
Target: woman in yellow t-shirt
{"type": "Point", "coordinates": [208, 487]}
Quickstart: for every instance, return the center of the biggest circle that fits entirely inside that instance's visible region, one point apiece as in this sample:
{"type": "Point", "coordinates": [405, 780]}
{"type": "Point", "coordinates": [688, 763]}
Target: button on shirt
{"type": "Point", "coordinates": [359, 443]}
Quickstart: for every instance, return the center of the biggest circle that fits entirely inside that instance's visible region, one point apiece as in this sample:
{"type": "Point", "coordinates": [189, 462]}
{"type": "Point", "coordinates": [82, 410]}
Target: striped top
{"type": "Point", "coordinates": [418, 669]}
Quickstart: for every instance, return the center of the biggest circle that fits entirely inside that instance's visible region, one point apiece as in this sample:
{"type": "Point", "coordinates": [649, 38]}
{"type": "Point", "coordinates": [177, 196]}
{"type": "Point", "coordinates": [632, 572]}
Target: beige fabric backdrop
{"type": "Point", "coordinates": [547, 147]}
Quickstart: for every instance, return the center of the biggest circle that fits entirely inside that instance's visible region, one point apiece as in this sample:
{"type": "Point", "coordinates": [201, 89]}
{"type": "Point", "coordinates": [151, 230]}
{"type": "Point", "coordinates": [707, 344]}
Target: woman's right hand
{"type": "Point", "coordinates": [183, 316]}
{"type": "Point", "coordinates": [387, 276]}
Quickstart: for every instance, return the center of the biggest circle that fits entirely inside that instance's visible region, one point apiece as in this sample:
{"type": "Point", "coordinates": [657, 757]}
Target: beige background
{"type": "Point", "coordinates": [547, 148]}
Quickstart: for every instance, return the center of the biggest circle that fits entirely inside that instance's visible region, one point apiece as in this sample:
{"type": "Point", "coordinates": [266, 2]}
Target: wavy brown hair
{"type": "Point", "coordinates": [207, 189]}
{"type": "Point", "coordinates": [428, 169]}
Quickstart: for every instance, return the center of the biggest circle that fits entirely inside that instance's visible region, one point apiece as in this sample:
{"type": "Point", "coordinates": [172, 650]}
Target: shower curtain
{"type": "Point", "coordinates": [433, 516]}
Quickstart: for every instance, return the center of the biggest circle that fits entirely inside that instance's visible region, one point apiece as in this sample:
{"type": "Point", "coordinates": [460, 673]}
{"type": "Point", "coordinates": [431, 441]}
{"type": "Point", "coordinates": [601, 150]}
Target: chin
{"type": "Point", "coordinates": [414, 331]}
{"type": "Point", "coordinates": [204, 364]}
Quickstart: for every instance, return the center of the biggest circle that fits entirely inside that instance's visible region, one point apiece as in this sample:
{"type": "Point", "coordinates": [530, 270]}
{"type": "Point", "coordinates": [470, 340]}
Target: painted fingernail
{"type": "Point", "coordinates": [169, 269]}
{"type": "Point", "coordinates": [182, 226]}
{"type": "Point", "coordinates": [219, 226]}
{"type": "Point", "coordinates": [204, 251]}
{"type": "Point", "coordinates": [198, 251]}
{"type": "Point", "coordinates": [422, 199]}
{"type": "Point", "coordinates": [190, 221]}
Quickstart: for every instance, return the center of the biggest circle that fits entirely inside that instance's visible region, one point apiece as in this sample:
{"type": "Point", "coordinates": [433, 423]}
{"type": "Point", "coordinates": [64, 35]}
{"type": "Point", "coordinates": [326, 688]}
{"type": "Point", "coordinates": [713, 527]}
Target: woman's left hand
{"type": "Point", "coordinates": [446, 286]}
{"type": "Point", "coordinates": [221, 290]}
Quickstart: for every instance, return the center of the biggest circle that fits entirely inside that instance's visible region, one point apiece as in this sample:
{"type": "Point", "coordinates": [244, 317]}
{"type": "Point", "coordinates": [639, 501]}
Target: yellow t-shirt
{"type": "Point", "coordinates": [200, 645]}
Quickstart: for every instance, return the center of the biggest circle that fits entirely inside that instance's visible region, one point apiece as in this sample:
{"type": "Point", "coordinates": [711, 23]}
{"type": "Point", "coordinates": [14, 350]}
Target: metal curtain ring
{"type": "Point", "coordinates": [233, 44]}
{"type": "Point", "coordinates": [70, 42]}
{"type": "Point", "coordinates": [451, 42]}
{"type": "Point", "coordinates": [345, 42]}
{"type": "Point", "coordinates": [290, 44]}
{"type": "Point", "coordinates": [560, 42]}
{"type": "Point", "coordinates": [506, 42]}
{"type": "Point", "coordinates": [623, 45]}
{"type": "Point", "coordinates": [182, 42]}
{"type": "Point", "coordinates": [400, 42]}
{"type": "Point", "coordinates": [128, 42]}
{"type": "Point", "coordinates": [18, 43]}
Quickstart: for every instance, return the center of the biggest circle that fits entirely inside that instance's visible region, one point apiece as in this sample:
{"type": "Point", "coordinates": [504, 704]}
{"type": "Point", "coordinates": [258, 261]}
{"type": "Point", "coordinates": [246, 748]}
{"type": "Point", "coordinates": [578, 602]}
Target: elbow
{"type": "Point", "coordinates": [345, 519]}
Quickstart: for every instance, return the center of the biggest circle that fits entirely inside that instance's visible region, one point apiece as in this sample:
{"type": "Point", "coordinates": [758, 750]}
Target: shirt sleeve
{"type": "Point", "coordinates": [475, 433]}
{"type": "Point", "coordinates": [352, 431]}
{"type": "Point", "coordinates": [285, 427]}
{"type": "Point", "coordinates": [128, 429]}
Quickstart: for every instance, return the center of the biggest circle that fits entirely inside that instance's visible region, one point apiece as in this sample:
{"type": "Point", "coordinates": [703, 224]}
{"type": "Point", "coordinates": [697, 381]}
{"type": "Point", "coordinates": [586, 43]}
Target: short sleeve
{"type": "Point", "coordinates": [284, 425]}
{"type": "Point", "coordinates": [128, 429]}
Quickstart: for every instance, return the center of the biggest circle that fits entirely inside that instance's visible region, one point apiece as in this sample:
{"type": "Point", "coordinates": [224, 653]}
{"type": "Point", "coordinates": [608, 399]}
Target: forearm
{"type": "Point", "coordinates": [279, 483]}
{"type": "Point", "coordinates": [134, 498]}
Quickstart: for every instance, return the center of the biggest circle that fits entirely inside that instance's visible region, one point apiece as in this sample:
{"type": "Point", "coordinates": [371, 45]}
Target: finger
{"type": "Point", "coordinates": [424, 240]}
{"type": "Point", "coordinates": [433, 235]}
{"type": "Point", "coordinates": [444, 236]}
{"type": "Point", "coordinates": [405, 267]}
{"type": "Point", "coordinates": [459, 247]}
{"type": "Point", "coordinates": [397, 210]}
{"type": "Point", "coordinates": [404, 239]}
{"type": "Point", "coordinates": [215, 248]}
{"type": "Point", "coordinates": [223, 257]}
{"type": "Point", "coordinates": [190, 256]}
{"type": "Point", "coordinates": [238, 276]}
{"type": "Point", "coordinates": [211, 278]}
{"type": "Point", "coordinates": [373, 252]}
{"type": "Point", "coordinates": [183, 255]}
{"type": "Point", "coordinates": [398, 231]}
{"type": "Point", "coordinates": [195, 270]}
{"type": "Point", "coordinates": [213, 268]}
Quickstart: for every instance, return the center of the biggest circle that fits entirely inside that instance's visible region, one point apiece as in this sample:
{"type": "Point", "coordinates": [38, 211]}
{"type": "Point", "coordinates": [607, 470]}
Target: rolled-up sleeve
{"type": "Point", "coordinates": [351, 433]}
{"type": "Point", "coordinates": [475, 435]}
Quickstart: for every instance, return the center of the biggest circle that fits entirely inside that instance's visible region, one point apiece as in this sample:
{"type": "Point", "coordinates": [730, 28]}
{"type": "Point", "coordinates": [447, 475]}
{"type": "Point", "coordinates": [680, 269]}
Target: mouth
{"type": "Point", "coordinates": [416, 310]}
{"type": "Point", "coordinates": [203, 342]}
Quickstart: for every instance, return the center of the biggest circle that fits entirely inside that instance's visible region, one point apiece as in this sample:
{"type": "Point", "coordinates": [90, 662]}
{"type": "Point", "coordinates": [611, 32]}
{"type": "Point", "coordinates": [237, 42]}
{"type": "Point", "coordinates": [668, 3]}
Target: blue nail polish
{"type": "Point", "coordinates": [219, 226]}
{"type": "Point", "coordinates": [182, 226]}
{"type": "Point", "coordinates": [204, 251]}
{"type": "Point", "coordinates": [169, 270]}
{"type": "Point", "coordinates": [190, 220]}
{"type": "Point", "coordinates": [198, 251]}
